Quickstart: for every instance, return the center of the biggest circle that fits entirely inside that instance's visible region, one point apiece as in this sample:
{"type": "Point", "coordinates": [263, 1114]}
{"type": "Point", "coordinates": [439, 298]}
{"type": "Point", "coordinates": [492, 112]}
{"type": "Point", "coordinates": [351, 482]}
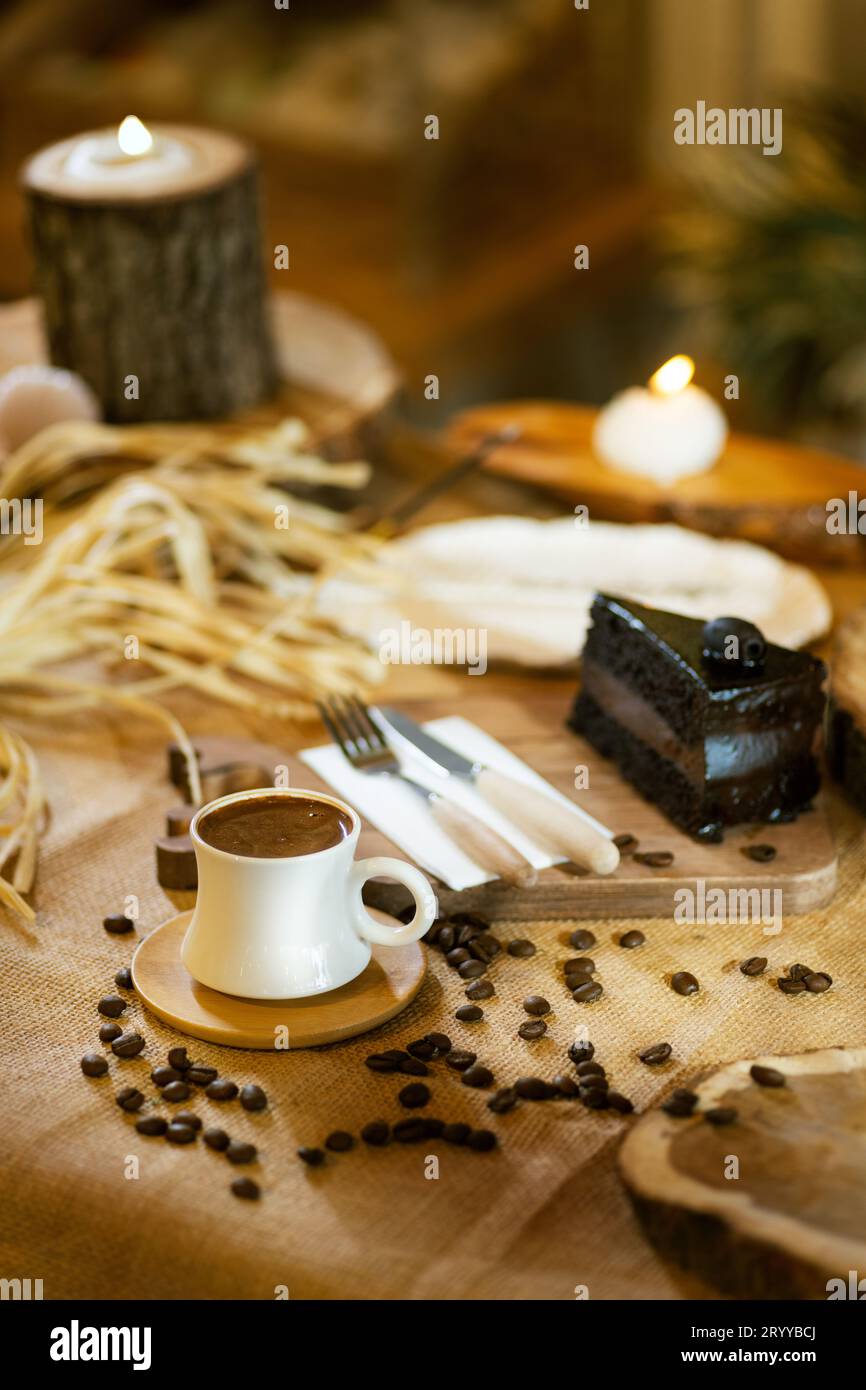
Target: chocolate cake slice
{"type": "Point", "coordinates": [709, 721]}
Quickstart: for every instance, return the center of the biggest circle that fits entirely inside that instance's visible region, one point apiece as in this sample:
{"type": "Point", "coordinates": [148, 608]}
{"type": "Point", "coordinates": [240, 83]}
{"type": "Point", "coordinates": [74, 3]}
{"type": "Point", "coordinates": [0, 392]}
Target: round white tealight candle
{"type": "Point", "coordinates": [672, 430]}
{"type": "Point", "coordinates": [128, 156]}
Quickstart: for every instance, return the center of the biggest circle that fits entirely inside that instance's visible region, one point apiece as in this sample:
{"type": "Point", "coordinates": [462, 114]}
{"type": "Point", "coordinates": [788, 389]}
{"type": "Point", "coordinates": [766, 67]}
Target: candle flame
{"type": "Point", "coordinates": [673, 376]}
{"type": "Point", "coordinates": [133, 136]}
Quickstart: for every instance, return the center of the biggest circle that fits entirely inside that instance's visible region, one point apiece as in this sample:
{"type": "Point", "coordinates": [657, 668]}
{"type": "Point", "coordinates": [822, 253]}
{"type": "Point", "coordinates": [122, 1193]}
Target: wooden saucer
{"type": "Point", "coordinates": [390, 982]}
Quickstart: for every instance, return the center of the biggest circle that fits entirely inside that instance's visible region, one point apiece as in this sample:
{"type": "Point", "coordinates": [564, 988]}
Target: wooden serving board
{"type": "Point", "coordinates": [804, 868]}
{"type": "Point", "coordinates": [761, 490]}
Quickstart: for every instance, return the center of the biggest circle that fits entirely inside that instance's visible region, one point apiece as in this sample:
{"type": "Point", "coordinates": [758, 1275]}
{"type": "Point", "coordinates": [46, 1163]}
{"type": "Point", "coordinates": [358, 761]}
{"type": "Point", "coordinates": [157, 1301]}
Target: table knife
{"type": "Point", "coordinates": [546, 821]}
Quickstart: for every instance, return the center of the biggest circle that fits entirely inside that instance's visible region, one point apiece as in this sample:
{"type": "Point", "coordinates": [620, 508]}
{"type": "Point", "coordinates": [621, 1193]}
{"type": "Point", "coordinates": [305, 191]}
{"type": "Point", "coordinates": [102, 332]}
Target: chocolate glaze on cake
{"type": "Point", "coordinates": [712, 743]}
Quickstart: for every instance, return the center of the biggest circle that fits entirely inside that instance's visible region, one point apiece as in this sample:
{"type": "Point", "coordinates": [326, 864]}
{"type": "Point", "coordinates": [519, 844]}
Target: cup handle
{"type": "Point", "coordinates": [426, 906]}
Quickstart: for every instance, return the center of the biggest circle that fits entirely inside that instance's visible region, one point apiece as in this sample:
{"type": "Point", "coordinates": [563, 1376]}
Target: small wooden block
{"type": "Point", "coordinates": [175, 863]}
{"type": "Point", "coordinates": [390, 982]}
{"type": "Point", "coordinates": [179, 819]}
{"type": "Point", "coordinates": [225, 765]}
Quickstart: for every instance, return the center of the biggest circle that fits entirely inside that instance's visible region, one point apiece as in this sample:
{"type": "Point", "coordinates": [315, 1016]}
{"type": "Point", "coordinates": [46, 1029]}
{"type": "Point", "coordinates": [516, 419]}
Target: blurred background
{"type": "Point", "coordinates": [556, 128]}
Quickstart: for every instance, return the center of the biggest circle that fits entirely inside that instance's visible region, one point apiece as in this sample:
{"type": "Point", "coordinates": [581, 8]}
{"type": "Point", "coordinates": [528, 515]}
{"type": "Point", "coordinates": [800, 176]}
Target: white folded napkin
{"type": "Point", "coordinates": [402, 814]}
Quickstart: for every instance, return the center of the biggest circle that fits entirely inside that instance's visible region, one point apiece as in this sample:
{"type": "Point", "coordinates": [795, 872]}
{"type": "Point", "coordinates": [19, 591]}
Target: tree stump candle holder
{"type": "Point", "coordinates": [148, 260]}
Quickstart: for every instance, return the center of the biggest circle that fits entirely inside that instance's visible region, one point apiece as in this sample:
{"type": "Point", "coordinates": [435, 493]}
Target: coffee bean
{"type": "Point", "coordinates": [566, 1086]}
{"type": "Point", "coordinates": [656, 859]}
{"type": "Point", "coordinates": [109, 1031]}
{"type": "Point", "coordinates": [376, 1133]}
{"type": "Point", "coordinates": [378, 1061]}
{"type": "Point", "coordinates": [130, 1098]}
{"type": "Point", "coordinates": [151, 1124]}
{"type": "Point", "coordinates": [485, 947]}
{"type": "Point", "coordinates": [180, 1133]}
{"type": "Point", "coordinates": [619, 1102]}
{"type": "Point", "coordinates": [123, 978]}
{"type": "Point", "coordinates": [594, 1098]}
{"type": "Point", "coordinates": [246, 1188]}
{"type": "Point", "coordinates": [481, 1140]}
{"type": "Point", "coordinates": [456, 1133]}
{"type": "Point", "coordinates": [594, 1082]}
{"type": "Point", "coordinates": [533, 1088]}
{"type": "Point", "coordinates": [440, 1042]}
{"type": "Point", "coordinates": [447, 938]}
{"type": "Point", "coordinates": [422, 1048]}
{"type": "Point", "coordinates": [339, 1142]}
{"type": "Point", "coordinates": [472, 970]}
{"type": "Point", "coordinates": [118, 924]}
{"type": "Point", "coordinates": [536, 1005]}
{"type": "Point", "coordinates": [589, 1068]}
{"type": "Point", "coordinates": [799, 972]}
{"type": "Point", "coordinates": [409, 1131]}
{"type": "Point", "coordinates": [521, 948]}
{"type": "Point", "coordinates": [111, 1006]}
{"type": "Point", "coordinates": [817, 982]}
{"type": "Point", "coordinates": [530, 1031]}
{"type": "Point", "coordinates": [625, 843]}
{"type": "Point", "coordinates": [469, 919]}
{"type": "Point", "coordinates": [178, 1059]}
{"type": "Point", "coordinates": [433, 1127]}
{"type": "Point", "coordinates": [477, 1076]}
{"type": "Point", "coordinates": [221, 1090]}
{"type": "Point", "coordinates": [216, 1139]}
{"type": "Point", "coordinates": [503, 1101]}
{"type": "Point", "coordinates": [432, 935]}
{"type": "Point", "coordinates": [684, 983]}
{"type": "Point", "coordinates": [582, 940]}
{"type": "Point", "coordinates": [469, 1013]}
{"type": "Point", "coordinates": [755, 965]}
{"type": "Point", "coordinates": [253, 1097]}
{"type": "Point", "coordinates": [680, 1104]}
{"type": "Point", "coordinates": [175, 1091]}
{"type": "Point", "coordinates": [588, 992]}
{"type": "Point", "coordinates": [721, 1115]}
{"type": "Point", "coordinates": [788, 986]}
{"type": "Point", "coordinates": [314, 1158]}
{"type": "Point", "coordinates": [162, 1075]}
{"type": "Point", "coordinates": [581, 1052]}
{"type": "Point", "coordinates": [200, 1076]}
{"type": "Point", "coordinates": [127, 1045]}
{"type": "Point", "coordinates": [186, 1117]}
{"type": "Point", "coordinates": [458, 956]}
{"type": "Point", "coordinates": [762, 854]}
{"type": "Point", "coordinates": [630, 939]}
{"type": "Point", "coordinates": [480, 989]}
{"type": "Point", "coordinates": [410, 1066]}
{"type": "Point", "coordinates": [414, 1095]}
{"type": "Point", "coordinates": [766, 1076]}
{"type": "Point", "coordinates": [460, 1059]}
{"type": "Point", "coordinates": [239, 1152]}
{"type": "Point", "coordinates": [94, 1064]}
{"type": "Point", "coordinates": [584, 965]}
{"type": "Point", "coordinates": [653, 1055]}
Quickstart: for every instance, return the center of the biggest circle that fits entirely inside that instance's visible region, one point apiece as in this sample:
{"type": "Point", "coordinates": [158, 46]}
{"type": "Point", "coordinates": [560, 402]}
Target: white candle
{"type": "Point", "coordinates": [672, 430]}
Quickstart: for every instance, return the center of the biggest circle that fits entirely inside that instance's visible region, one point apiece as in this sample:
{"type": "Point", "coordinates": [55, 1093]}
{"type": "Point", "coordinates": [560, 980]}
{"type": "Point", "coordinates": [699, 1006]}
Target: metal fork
{"type": "Point", "coordinates": [362, 743]}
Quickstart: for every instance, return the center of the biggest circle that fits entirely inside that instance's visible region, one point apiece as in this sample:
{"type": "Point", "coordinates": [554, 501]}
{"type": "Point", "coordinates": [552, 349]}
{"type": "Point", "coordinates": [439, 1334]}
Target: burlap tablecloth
{"type": "Point", "coordinates": [533, 1220]}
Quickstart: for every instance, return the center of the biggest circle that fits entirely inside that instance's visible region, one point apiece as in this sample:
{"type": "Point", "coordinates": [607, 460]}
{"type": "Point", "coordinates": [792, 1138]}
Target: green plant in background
{"type": "Point", "coordinates": [769, 261]}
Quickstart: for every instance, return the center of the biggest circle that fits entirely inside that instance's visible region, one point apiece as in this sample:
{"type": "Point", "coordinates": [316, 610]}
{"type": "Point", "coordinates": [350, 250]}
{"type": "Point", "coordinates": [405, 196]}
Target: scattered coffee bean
{"type": "Point", "coordinates": [658, 1052]}
{"type": "Point", "coordinates": [469, 1013]}
{"type": "Point", "coordinates": [378, 1061]}
{"type": "Point", "coordinates": [216, 1139]}
{"type": "Point", "coordinates": [684, 983]}
{"type": "Point", "coordinates": [246, 1188]}
{"type": "Point", "coordinates": [409, 1131]}
{"type": "Point", "coordinates": [656, 859]}
{"type": "Point", "coordinates": [477, 1076]}
{"type": "Point", "coordinates": [566, 1086]}
{"type": "Point", "coordinates": [533, 1088]}
{"type": "Point", "coordinates": [111, 1006]}
{"type": "Point", "coordinates": [118, 924]}
{"type": "Point", "coordinates": [460, 1059]}
{"type": "Point", "coordinates": [179, 1134]}
{"type": "Point", "coordinates": [200, 1076]}
{"type": "Point", "coordinates": [396, 1054]}
{"type": "Point", "coordinates": [762, 854]}
{"type": "Point", "coordinates": [178, 1059]}
{"type": "Point", "coordinates": [410, 1066]}
{"type": "Point", "coordinates": [799, 972]}
{"type": "Point", "coordinates": [127, 1045]}
{"type": "Point", "coordinates": [339, 1142]}
{"type": "Point", "coordinates": [253, 1097]}
{"type": "Point", "coordinates": [376, 1133]}
{"type": "Point", "coordinates": [589, 1068]}
{"type": "Point", "coordinates": [94, 1064]}
{"type": "Point", "coordinates": [480, 989]}
{"type": "Point", "coordinates": [818, 982]}
{"type": "Point", "coordinates": [163, 1075]}
{"type": "Point", "coordinates": [502, 1101]}
{"type": "Point", "coordinates": [109, 1031]}
{"type": "Point", "coordinates": [467, 934]}
{"type": "Point", "coordinates": [630, 939]}
{"type": "Point", "coordinates": [481, 1140]}
{"type": "Point", "coordinates": [485, 947]}
{"type": "Point", "coordinates": [625, 843]}
{"type": "Point", "coordinates": [447, 939]}
{"type": "Point", "coordinates": [456, 1133]}
{"type": "Point", "coordinates": [521, 948]}
{"type": "Point", "coordinates": [593, 1082]}
{"type": "Point", "coordinates": [720, 1115]}
{"type": "Point", "coordinates": [123, 978]}
{"type": "Point", "coordinates": [755, 965]}
{"type": "Point", "coordinates": [619, 1102]}
{"type": "Point", "coordinates": [151, 1124]}
{"type": "Point", "coordinates": [431, 936]}
{"type": "Point", "coordinates": [458, 956]}
{"type": "Point", "coordinates": [581, 1052]}
{"type": "Point", "coordinates": [766, 1076]}
{"type": "Point", "coordinates": [221, 1090]}
{"type": "Point", "coordinates": [175, 1091]}
{"type": "Point", "coordinates": [582, 940]}
{"type": "Point", "coordinates": [186, 1117]}
{"type": "Point", "coordinates": [314, 1158]}
{"type": "Point", "coordinates": [414, 1095]}
{"type": "Point", "coordinates": [239, 1152]}
{"type": "Point", "coordinates": [594, 1098]}
{"type": "Point", "coordinates": [788, 986]}
{"type": "Point", "coordinates": [472, 969]}
{"type": "Point", "coordinates": [530, 1031]}
{"type": "Point", "coordinates": [422, 1049]}
{"type": "Point", "coordinates": [680, 1104]}
{"type": "Point", "coordinates": [536, 1005]}
{"type": "Point", "coordinates": [588, 992]}
{"type": "Point", "coordinates": [440, 1042]}
{"type": "Point", "coordinates": [583, 965]}
{"type": "Point", "coordinates": [433, 1127]}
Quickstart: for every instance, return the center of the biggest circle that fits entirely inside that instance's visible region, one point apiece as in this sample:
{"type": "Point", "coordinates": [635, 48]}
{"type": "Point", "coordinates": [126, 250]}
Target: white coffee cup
{"type": "Point", "coordinates": [296, 926]}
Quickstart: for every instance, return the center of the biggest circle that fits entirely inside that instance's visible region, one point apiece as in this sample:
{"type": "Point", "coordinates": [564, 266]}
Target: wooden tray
{"type": "Point", "coordinates": [760, 490]}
